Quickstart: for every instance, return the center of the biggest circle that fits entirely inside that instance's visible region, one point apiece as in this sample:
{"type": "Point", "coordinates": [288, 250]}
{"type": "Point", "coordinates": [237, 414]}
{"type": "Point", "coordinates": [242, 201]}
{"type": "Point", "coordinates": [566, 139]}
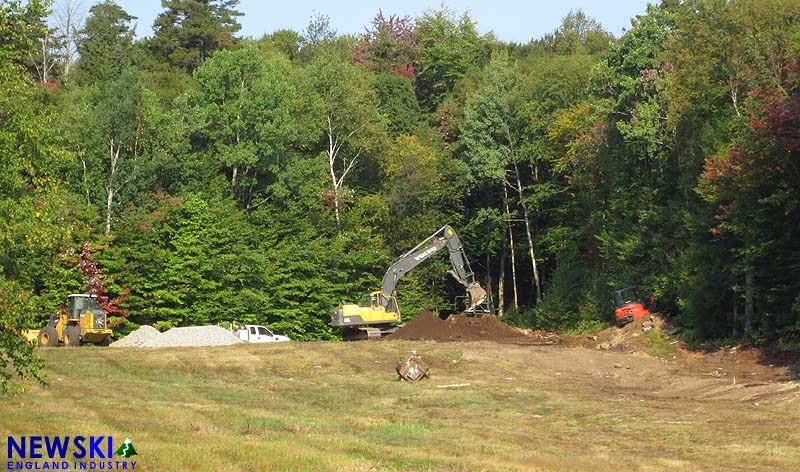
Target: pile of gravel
{"type": "Point", "coordinates": [138, 338]}
{"type": "Point", "coordinates": [192, 336]}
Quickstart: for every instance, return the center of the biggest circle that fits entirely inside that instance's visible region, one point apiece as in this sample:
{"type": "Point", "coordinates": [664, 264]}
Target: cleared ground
{"type": "Point", "coordinates": [338, 406]}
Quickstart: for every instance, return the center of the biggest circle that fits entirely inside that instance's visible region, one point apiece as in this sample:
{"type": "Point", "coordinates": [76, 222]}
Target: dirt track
{"type": "Point", "coordinates": [633, 376]}
{"type": "Point", "coordinates": [615, 362]}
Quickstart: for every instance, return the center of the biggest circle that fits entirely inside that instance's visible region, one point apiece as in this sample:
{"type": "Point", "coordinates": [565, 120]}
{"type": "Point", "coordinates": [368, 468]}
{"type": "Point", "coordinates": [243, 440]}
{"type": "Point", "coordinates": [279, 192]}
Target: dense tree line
{"type": "Point", "coordinates": [220, 178]}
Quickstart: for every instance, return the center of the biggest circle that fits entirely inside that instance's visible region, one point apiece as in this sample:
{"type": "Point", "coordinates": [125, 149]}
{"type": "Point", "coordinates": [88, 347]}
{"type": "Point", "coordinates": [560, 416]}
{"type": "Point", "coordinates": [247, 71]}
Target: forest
{"type": "Point", "coordinates": [199, 177]}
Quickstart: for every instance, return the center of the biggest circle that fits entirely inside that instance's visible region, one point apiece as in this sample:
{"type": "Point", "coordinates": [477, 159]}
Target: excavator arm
{"type": "Point", "coordinates": [379, 314]}
{"type": "Point", "coordinates": [445, 237]}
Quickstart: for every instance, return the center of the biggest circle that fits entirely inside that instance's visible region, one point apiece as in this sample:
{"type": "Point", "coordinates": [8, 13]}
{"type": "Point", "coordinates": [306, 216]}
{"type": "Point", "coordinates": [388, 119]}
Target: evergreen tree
{"type": "Point", "coordinates": [188, 32]}
{"type": "Point", "coordinates": [105, 43]}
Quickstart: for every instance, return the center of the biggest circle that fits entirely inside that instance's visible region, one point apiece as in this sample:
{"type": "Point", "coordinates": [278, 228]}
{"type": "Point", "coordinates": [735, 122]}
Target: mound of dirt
{"type": "Point", "coordinates": [746, 363]}
{"type": "Point", "coordinates": [629, 338]}
{"type": "Point", "coordinates": [467, 328]}
{"type": "Point", "coordinates": [427, 326]}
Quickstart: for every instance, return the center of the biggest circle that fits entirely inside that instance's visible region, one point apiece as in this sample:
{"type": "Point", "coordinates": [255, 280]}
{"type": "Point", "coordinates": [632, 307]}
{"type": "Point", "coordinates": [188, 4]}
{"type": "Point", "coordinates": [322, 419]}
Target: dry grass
{"type": "Point", "coordinates": [338, 406]}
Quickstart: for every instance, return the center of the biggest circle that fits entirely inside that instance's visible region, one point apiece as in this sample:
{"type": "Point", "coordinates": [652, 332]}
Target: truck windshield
{"type": "Point", "coordinates": [264, 331]}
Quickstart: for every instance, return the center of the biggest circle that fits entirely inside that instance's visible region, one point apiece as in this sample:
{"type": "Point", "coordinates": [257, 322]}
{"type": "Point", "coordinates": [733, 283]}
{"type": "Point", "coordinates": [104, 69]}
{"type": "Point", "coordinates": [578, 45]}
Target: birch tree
{"type": "Point", "coordinates": [69, 16]}
{"type": "Point", "coordinates": [103, 127]}
{"type": "Point", "coordinates": [353, 127]}
{"type": "Point", "coordinates": [492, 146]}
{"type": "Point", "coordinates": [253, 111]}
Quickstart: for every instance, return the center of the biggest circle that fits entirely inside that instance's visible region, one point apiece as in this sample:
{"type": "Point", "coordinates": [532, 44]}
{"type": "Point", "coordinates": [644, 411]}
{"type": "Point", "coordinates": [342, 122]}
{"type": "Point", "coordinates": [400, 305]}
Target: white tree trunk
{"type": "Point", "coordinates": [500, 281]}
{"type": "Point", "coordinates": [109, 203]}
{"type": "Point", "coordinates": [528, 232]}
{"type": "Point", "coordinates": [334, 147]}
{"type": "Point", "coordinates": [234, 175]}
{"type": "Point", "coordinates": [43, 64]}
{"type": "Point", "coordinates": [489, 279]}
{"type": "Point", "coordinates": [331, 166]}
{"type": "Point", "coordinates": [748, 301]}
{"type": "Point", "coordinates": [113, 155]}
{"type": "Point", "coordinates": [513, 252]}
{"type": "Point", "coordinates": [69, 20]}
{"type": "Point", "coordinates": [86, 182]}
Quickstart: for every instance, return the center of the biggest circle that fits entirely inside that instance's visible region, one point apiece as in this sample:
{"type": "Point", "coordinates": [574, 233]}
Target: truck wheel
{"type": "Point", "coordinates": [48, 337]}
{"type": "Point", "coordinates": [105, 341]}
{"type": "Point", "coordinates": [72, 336]}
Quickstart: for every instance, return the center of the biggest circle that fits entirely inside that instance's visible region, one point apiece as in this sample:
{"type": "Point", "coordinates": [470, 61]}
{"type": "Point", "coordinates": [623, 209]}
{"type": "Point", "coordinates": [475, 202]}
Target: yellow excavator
{"type": "Point", "coordinates": [80, 322]}
{"type": "Point", "coordinates": [378, 313]}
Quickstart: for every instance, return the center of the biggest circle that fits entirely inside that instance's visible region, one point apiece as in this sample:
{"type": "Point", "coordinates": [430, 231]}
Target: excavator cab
{"type": "Point", "coordinates": [629, 306]}
{"type": "Point", "coordinates": [371, 317]}
{"type": "Point", "coordinates": [370, 300]}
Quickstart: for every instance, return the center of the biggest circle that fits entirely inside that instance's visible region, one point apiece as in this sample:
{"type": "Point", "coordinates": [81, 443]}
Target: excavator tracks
{"type": "Point", "coordinates": [365, 333]}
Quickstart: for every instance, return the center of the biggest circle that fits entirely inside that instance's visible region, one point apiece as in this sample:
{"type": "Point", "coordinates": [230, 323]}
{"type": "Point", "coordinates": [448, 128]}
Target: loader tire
{"type": "Point", "coordinates": [105, 341]}
{"type": "Point", "coordinates": [72, 336]}
{"type": "Point", "coordinates": [48, 337]}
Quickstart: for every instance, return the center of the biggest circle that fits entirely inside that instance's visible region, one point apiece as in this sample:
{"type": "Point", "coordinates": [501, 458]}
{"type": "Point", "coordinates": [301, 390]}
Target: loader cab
{"type": "Point", "coordinates": [77, 304]}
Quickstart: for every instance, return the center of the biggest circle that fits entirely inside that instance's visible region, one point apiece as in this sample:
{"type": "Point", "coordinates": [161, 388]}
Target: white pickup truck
{"type": "Point", "coordinates": [259, 334]}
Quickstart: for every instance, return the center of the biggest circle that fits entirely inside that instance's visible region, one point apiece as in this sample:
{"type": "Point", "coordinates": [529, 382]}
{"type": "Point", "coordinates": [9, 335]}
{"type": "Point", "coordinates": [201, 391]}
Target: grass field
{"type": "Point", "coordinates": [339, 406]}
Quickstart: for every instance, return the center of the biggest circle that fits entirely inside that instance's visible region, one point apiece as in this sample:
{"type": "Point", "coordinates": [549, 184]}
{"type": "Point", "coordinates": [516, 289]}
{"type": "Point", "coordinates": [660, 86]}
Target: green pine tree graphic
{"type": "Point", "coordinates": [126, 450]}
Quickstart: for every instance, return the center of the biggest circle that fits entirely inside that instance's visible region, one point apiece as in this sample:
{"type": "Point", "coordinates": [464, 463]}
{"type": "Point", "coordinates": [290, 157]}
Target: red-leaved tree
{"type": "Point", "coordinates": [389, 46]}
{"type": "Point", "coordinates": [94, 283]}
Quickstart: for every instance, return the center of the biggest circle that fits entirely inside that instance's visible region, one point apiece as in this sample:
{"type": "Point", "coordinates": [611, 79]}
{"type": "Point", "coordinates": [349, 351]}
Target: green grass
{"type": "Point", "coordinates": [338, 406]}
{"type": "Point", "coordinates": [587, 326]}
{"type": "Point", "coordinates": [658, 343]}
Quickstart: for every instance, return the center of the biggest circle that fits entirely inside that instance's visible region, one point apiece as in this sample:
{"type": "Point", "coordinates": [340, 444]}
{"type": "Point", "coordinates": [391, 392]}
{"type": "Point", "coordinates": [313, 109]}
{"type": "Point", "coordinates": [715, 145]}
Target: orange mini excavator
{"type": "Point", "coordinates": [629, 306]}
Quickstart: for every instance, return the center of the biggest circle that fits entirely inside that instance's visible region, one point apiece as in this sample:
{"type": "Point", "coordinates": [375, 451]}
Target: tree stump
{"type": "Point", "coordinates": [412, 368]}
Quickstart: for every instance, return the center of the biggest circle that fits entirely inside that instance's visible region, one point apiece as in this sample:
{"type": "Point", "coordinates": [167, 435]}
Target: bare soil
{"type": "Point", "coordinates": [751, 372]}
{"type": "Point", "coordinates": [743, 362]}
{"type": "Point", "coordinates": [426, 326]}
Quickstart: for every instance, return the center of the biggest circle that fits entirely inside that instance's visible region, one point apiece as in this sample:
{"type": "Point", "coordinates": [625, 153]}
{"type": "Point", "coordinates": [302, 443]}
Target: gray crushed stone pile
{"type": "Point", "coordinates": [191, 336]}
{"type": "Point", "coordinates": [138, 338]}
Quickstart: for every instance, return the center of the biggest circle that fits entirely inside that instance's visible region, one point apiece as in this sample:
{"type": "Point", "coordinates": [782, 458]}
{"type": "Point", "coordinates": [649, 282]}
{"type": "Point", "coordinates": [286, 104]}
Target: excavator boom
{"type": "Point", "coordinates": [382, 314]}
{"type": "Point", "coordinates": [461, 270]}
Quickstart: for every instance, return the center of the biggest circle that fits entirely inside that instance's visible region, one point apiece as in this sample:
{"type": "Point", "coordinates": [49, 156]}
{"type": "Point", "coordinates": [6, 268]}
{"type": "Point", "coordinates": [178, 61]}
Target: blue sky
{"type": "Point", "coordinates": [510, 20]}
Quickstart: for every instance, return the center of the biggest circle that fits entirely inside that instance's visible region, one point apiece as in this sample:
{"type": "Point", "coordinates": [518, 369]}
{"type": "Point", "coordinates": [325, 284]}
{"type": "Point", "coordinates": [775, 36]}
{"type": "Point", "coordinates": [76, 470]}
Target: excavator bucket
{"type": "Point", "coordinates": [477, 295]}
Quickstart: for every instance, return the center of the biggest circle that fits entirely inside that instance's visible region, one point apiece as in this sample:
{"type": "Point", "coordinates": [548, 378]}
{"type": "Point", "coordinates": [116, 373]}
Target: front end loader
{"type": "Point", "coordinates": [80, 322]}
